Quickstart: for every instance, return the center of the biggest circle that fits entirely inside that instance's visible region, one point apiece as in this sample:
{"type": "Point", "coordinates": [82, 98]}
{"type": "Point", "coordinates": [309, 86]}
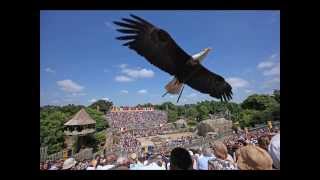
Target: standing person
{"type": "Point", "coordinates": [180, 159]}
{"type": "Point", "coordinates": [274, 150]}
{"type": "Point", "coordinates": [204, 158]}
{"type": "Point", "coordinates": [194, 160]}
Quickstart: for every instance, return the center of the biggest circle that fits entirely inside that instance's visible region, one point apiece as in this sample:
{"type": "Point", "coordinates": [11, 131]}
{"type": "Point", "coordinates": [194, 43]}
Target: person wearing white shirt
{"type": "Point", "coordinates": [203, 159]}
{"type": "Point", "coordinates": [274, 150]}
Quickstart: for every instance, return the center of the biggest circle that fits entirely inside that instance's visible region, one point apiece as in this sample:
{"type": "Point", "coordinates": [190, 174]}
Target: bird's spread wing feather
{"type": "Point", "coordinates": [210, 83]}
{"type": "Point", "coordinates": [153, 43]}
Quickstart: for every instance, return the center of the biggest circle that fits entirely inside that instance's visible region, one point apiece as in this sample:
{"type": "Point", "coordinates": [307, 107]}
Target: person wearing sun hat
{"type": "Point", "coordinates": [69, 163]}
{"type": "Point", "coordinates": [133, 156]}
{"type": "Point", "coordinates": [253, 158]}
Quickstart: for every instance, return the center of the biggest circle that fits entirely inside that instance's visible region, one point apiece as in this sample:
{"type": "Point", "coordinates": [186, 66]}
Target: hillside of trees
{"type": "Point", "coordinates": [255, 109]}
{"type": "Point", "coordinates": [52, 119]}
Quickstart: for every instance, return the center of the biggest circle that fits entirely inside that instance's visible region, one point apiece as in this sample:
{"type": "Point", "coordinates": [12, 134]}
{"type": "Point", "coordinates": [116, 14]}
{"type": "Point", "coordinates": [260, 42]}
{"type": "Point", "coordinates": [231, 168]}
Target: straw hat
{"type": "Point", "coordinates": [253, 158]}
{"type": "Point", "coordinates": [133, 156]}
{"type": "Point", "coordinates": [69, 163]}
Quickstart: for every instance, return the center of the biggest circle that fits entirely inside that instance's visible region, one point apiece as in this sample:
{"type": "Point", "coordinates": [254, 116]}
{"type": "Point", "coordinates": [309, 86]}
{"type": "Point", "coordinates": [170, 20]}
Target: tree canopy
{"type": "Point", "coordinates": [52, 119]}
{"type": "Point", "coordinates": [104, 105]}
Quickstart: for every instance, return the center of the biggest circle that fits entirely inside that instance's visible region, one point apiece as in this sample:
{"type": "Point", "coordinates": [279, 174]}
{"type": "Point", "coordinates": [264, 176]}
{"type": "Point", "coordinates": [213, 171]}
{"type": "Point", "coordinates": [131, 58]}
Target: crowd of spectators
{"type": "Point", "coordinates": [137, 119]}
{"type": "Point", "coordinates": [265, 155]}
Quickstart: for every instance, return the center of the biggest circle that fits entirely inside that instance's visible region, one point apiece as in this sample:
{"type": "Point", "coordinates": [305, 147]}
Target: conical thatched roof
{"type": "Point", "coordinates": [81, 118]}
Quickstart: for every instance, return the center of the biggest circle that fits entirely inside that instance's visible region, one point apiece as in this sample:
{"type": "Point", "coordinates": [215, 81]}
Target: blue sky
{"type": "Point", "coordinates": [81, 61]}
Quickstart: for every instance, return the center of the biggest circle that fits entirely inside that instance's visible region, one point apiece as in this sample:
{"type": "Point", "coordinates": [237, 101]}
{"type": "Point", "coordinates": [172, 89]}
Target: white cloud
{"type": "Point", "coordinates": [248, 91]}
{"type": "Point", "coordinates": [69, 86]}
{"type": "Point", "coordinates": [183, 100]}
{"type": "Point", "coordinates": [272, 83]}
{"type": "Point", "coordinates": [265, 64]}
{"type": "Point", "coordinates": [124, 91]}
{"type": "Point", "coordinates": [273, 56]}
{"type": "Point", "coordinates": [236, 82]}
{"type": "Point", "coordinates": [67, 100]}
{"type": "Point", "coordinates": [143, 73]}
{"type": "Point", "coordinates": [106, 99]}
{"type": "Point", "coordinates": [171, 96]}
{"type": "Point", "coordinates": [142, 91]}
{"type": "Point", "coordinates": [78, 94]}
{"type": "Point", "coordinates": [93, 100]}
{"type": "Point", "coordinates": [192, 95]}
{"type": "Point", "coordinates": [129, 74]}
{"type": "Point", "coordinates": [275, 80]}
{"type": "Point", "coordinates": [55, 101]}
{"type": "Point", "coordinates": [275, 70]}
{"type": "Point", "coordinates": [271, 67]}
{"type": "Point", "coordinates": [123, 79]}
{"type": "Point", "coordinates": [122, 66]}
{"type": "Point", "coordinates": [110, 25]}
{"type": "Point", "coordinates": [49, 70]}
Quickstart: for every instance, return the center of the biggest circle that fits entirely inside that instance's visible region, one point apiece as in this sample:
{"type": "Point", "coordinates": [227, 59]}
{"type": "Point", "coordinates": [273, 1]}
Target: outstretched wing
{"type": "Point", "coordinates": [210, 83]}
{"type": "Point", "coordinates": [153, 43]}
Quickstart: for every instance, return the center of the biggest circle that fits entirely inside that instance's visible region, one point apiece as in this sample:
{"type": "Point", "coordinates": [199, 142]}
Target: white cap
{"type": "Point", "coordinates": [191, 153]}
{"type": "Point", "coordinates": [67, 164]}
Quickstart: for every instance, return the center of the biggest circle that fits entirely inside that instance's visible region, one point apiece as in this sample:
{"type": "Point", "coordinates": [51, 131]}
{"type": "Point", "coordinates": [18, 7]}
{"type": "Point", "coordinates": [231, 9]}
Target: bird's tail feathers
{"type": "Point", "coordinates": [174, 86]}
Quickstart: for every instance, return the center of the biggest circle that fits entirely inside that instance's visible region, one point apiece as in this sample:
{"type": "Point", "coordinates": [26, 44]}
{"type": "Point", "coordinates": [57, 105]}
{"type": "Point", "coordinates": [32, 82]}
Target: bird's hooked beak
{"type": "Point", "coordinates": [208, 49]}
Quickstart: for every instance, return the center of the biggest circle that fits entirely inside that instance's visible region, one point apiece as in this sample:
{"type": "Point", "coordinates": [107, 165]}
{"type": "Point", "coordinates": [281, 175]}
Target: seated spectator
{"type": "Point", "coordinates": [69, 164]}
{"type": "Point", "coordinates": [253, 158]}
{"type": "Point", "coordinates": [204, 158]}
{"type": "Point", "coordinates": [105, 164]}
{"type": "Point", "coordinates": [123, 161]}
{"type": "Point", "coordinates": [223, 160]}
{"type": "Point", "coordinates": [155, 164]}
{"type": "Point", "coordinates": [180, 159]}
{"type": "Point", "coordinates": [274, 151]}
{"type": "Point", "coordinates": [139, 164]}
{"type": "Point", "coordinates": [264, 142]}
{"type": "Point", "coordinates": [54, 166]}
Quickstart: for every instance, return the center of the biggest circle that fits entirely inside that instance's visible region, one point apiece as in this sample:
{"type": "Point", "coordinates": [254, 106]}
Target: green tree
{"type": "Point", "coordinates": [247, 117]}
{"type": "Point", "coordinates": [172, 115]}
{"type": "Point", "coordinates": [51, 130]}
{"type": "Point", "coordinates": [191, 113]}
{"type": "Point", "coordinates": [259, 102]}
{"type": "Point", "coordinates": [276, 95]}
{"type": "Point", "coordinates": [181, 111]}
{"type": "Point", "coordinates": [70, 110]}
{"type": "Point", "coordinates": [235, 110]}
{"type": "Point", "coordinates": [100, 138]}
{"type": "Point", "coordinates": [104, 106]}
{"type": "Point", "coordinates": [203, 112]}
{"type": "Point", "coordinates": [101, 122]}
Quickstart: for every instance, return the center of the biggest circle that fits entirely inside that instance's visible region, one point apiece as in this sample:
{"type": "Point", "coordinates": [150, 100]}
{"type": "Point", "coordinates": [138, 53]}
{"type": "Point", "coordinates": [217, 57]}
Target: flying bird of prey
{"type": "Point", "coordinates": [159, 48]}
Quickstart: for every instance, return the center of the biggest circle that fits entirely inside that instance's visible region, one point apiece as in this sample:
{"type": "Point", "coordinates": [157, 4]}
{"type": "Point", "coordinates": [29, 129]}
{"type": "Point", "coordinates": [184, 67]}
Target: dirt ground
{"type": "Point", "coordinates": [144, 140]}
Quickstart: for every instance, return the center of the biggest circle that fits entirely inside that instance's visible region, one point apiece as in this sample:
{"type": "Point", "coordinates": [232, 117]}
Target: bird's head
{"type": "Point", "coordinates": [207, 49]}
